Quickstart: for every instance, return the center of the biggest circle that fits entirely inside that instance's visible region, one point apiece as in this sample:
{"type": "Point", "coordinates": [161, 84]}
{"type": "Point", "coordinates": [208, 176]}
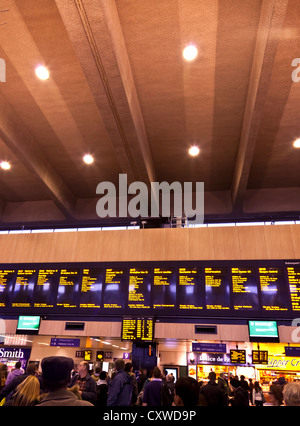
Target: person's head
{"type": "Point", "coordinates": [18, 365]}
{"type": "Point", "coordinates": [212, 376]}
{"type": "Point", "coordinates": [291, 394]}
{"type": "Point", "coordinates": [97, 371]}
{"type": "Point", "coordinates": [27, 392]}
{"type": "Point", "coordinates": [103, 375]}
{"type": "Point", "coordinates": [32, 368]}
{"type": "Point", "coordinates": [276, 395]}
{"type": "Point", "coordinates": [156, 373]}
{"type": "Point", "coordinates": [128, 367]}
{"type": "Point", "coordinates": [83, 368]}
{"type": "Point", "coordinates": [256, 386]}
{"type": "Point", "coordinates": [56, 372]}
{"type": "Point", "coordinates": [187, 392]}
{"type": "Point", "coordinates": [119, 364]}
{"type": "Point", "coordinates": [170, 378]}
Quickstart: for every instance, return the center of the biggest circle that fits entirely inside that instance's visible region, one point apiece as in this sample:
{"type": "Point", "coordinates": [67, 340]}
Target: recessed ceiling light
{"type": "Point", "coordinates": [88, 159]}
{"type": "Point", "coordinates": [190, 52]}
{"type": "Point", "coordinates": [194, 151]}
{"type": "Point", "coordinates": [5, 165]}
{"type": "Point", "coordinates": [42, 73]}
{"type": "Point", "coordinates": [297, 143]}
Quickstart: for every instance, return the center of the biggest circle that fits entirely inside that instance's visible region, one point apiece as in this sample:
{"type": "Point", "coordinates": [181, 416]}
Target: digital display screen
{"type": "Point", "coordinates": [164, 288]}
{"type": "Point", "coordinates": [23, 289]}
{"type": "Point", "coordinates": [68, 288]}
{"type": "Point", "coordinates": [265, 289]}
{"type": "Point", "coordinates": [260, 357]}
{"type": "Point", "coordinates": [28, 324]}
{"type": "Point", "coordinates": [217, 288]}
{"type": "Point", "coordinates": [139, 293]}
{"type": "Point", "coordinates": [46, 288]}
{"type": "Point", "coordinates": [137, 329]}
{"type": "Point", "coordinates": [244, 289]}
{"type": "Point", "coordinates": [114, 289]}
{"type": "Point", "coordinates": [238, 356]}
{"type": "Point", "coordinates": [7, 279]}
{"type": "Point", "coordinates": [91, 289]}
{"type": "Point", "coordinates": [263, 331]}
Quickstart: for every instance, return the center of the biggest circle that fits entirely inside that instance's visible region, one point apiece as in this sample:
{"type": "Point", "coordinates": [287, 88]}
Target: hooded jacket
{"type": "Point", "coordinates": [120, 390]}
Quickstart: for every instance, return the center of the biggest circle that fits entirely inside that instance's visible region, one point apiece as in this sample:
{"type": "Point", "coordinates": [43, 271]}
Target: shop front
{"type": "Point", "coordinates": [11, 355]}
{"type": "Point", "coordinates": [201, 364]}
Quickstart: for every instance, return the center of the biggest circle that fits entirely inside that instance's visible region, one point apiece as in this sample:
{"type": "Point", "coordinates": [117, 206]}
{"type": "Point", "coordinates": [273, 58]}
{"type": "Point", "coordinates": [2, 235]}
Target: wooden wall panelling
{"type": "Point", "coordinates": [64, 246]}
{"type": "Point", "coordinates": [87, 247]}
{"type": "Point", "coordinates": [177, 244]}
{"type": "Point", "coordinates": [44, 248]}
{"type": "Point", "coordinates": [295, 234]}
{"type": "Point", "coordinates": [226, 243]}
{"type": "Point", "coordinates": [7, 248]}
{"type": "Point", "coordinates": [153, 244]}
{"type": "Point", "coordinates": [252, 242]}
{"type": "Point", "coordinates": [201, 244]}
{"type": "Point", "coordinates": [24, 249]}
{"type": "Point", "coordinates": [279, 242]}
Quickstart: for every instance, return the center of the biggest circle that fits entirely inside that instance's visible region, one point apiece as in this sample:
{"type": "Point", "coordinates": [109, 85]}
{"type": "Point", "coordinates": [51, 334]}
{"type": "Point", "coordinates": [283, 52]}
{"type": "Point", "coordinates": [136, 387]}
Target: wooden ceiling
{"type": "Point", "coordinates": [120, 90]}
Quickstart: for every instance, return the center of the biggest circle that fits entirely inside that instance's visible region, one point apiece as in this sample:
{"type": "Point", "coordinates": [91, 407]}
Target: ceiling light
{"type": "Point", "coordinates": [194, 151]}
{"type": "Point", "coordinates": [190, 52]}
{"type": "Point", "coordinates": [42, 73]}
{"type": "Point", "coordinates": [88, 159]}
{"type": "Point", "coordinates": [5, 165]}
{"type": "Point", "coordinates": [297, 143]}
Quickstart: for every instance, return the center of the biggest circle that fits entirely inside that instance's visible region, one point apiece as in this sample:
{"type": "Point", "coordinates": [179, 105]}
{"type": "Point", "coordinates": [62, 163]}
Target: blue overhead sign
{"type": "Point", "coordinates": [67, 343]}
{"type": "Point", "coordinates": [209, 347]}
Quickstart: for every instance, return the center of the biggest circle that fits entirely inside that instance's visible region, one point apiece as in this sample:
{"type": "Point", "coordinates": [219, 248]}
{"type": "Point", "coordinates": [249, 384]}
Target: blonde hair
{"type": "Point", "coordinates": [28, 392]}
{"type": "Point", "coordinates": [291, 394]}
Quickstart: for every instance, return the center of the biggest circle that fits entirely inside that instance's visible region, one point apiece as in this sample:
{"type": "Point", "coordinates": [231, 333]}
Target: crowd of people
{"type": "Point", "coordinates": [60, 385]}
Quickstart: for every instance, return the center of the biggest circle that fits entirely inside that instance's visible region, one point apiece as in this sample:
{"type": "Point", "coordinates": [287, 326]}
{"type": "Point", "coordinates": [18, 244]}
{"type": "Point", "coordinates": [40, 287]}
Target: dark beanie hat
{"type": "Point", "coordinates": [57, 368]}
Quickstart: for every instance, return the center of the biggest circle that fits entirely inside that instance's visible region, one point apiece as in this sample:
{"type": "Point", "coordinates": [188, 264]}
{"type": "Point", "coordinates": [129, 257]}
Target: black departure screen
{"type": "Point", "coordinates": [91, 288]}
{"type": "Point", "coordinates": [68, 289]}
{"type": "Point", "coordinates": [273, 289]}
{"type": "Point", "coordinates": [293, 270]}
{"type": "Point", "coordinates": [115, 289]}
{"type": "Point", "coordinates": [190, 289]}
{"type": "Point", "coordinates": [46, 288]}
{"type": "Point", "coordinates": [139, 293]}
{"type": "Point", "coordinates": [217, 288]}
{"type": "Point", "coordinates": [7, 279]}
{"type": "Point", "coordinates": [23, 290]}
{"type": "Point", "coordinates": [240, 289]}
{"type": "Point", "coordinates": [244, 289]}
{"type": "Point", "coordinates": [164, 288]}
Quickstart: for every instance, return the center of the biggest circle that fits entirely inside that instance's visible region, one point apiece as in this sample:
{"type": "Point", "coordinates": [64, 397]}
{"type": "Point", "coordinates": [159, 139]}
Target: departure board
{"type": "Point", "coordinates": [217, 288]}
{"type": "Point", "coordinates": [238, 356]}
{"type": "Point", "coordinates": [6, 286]}
{"type": "Point", "coordinates": [139, 293]}
{"type": "Point", "coordinates": [91, 288]}
{"type": "Point", "coordinates": [46, 288]}
{"type": "Point", "coordinates": [68, 288]}
{"type": "Point", "coordinates": [260, 357]}
{"type": "Point", "coordinates": [137, 329]}
{"type": "Point", "coordinates": [23, 289]}
{"type": "Point", "coordinates": [248, 289]}
{"type": "Point", "coordinates": [244, 289]}
{"type": "Point", "coordinates": [164, 288]}
{"type": "Point", "coordinates": [294, 284]}
{"type": "Point", "coordinates": [273, 290]}
{"type": "Point", "coordinates": [114, 289]}
{"type": "Point", "coordinates": [190, 290]}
